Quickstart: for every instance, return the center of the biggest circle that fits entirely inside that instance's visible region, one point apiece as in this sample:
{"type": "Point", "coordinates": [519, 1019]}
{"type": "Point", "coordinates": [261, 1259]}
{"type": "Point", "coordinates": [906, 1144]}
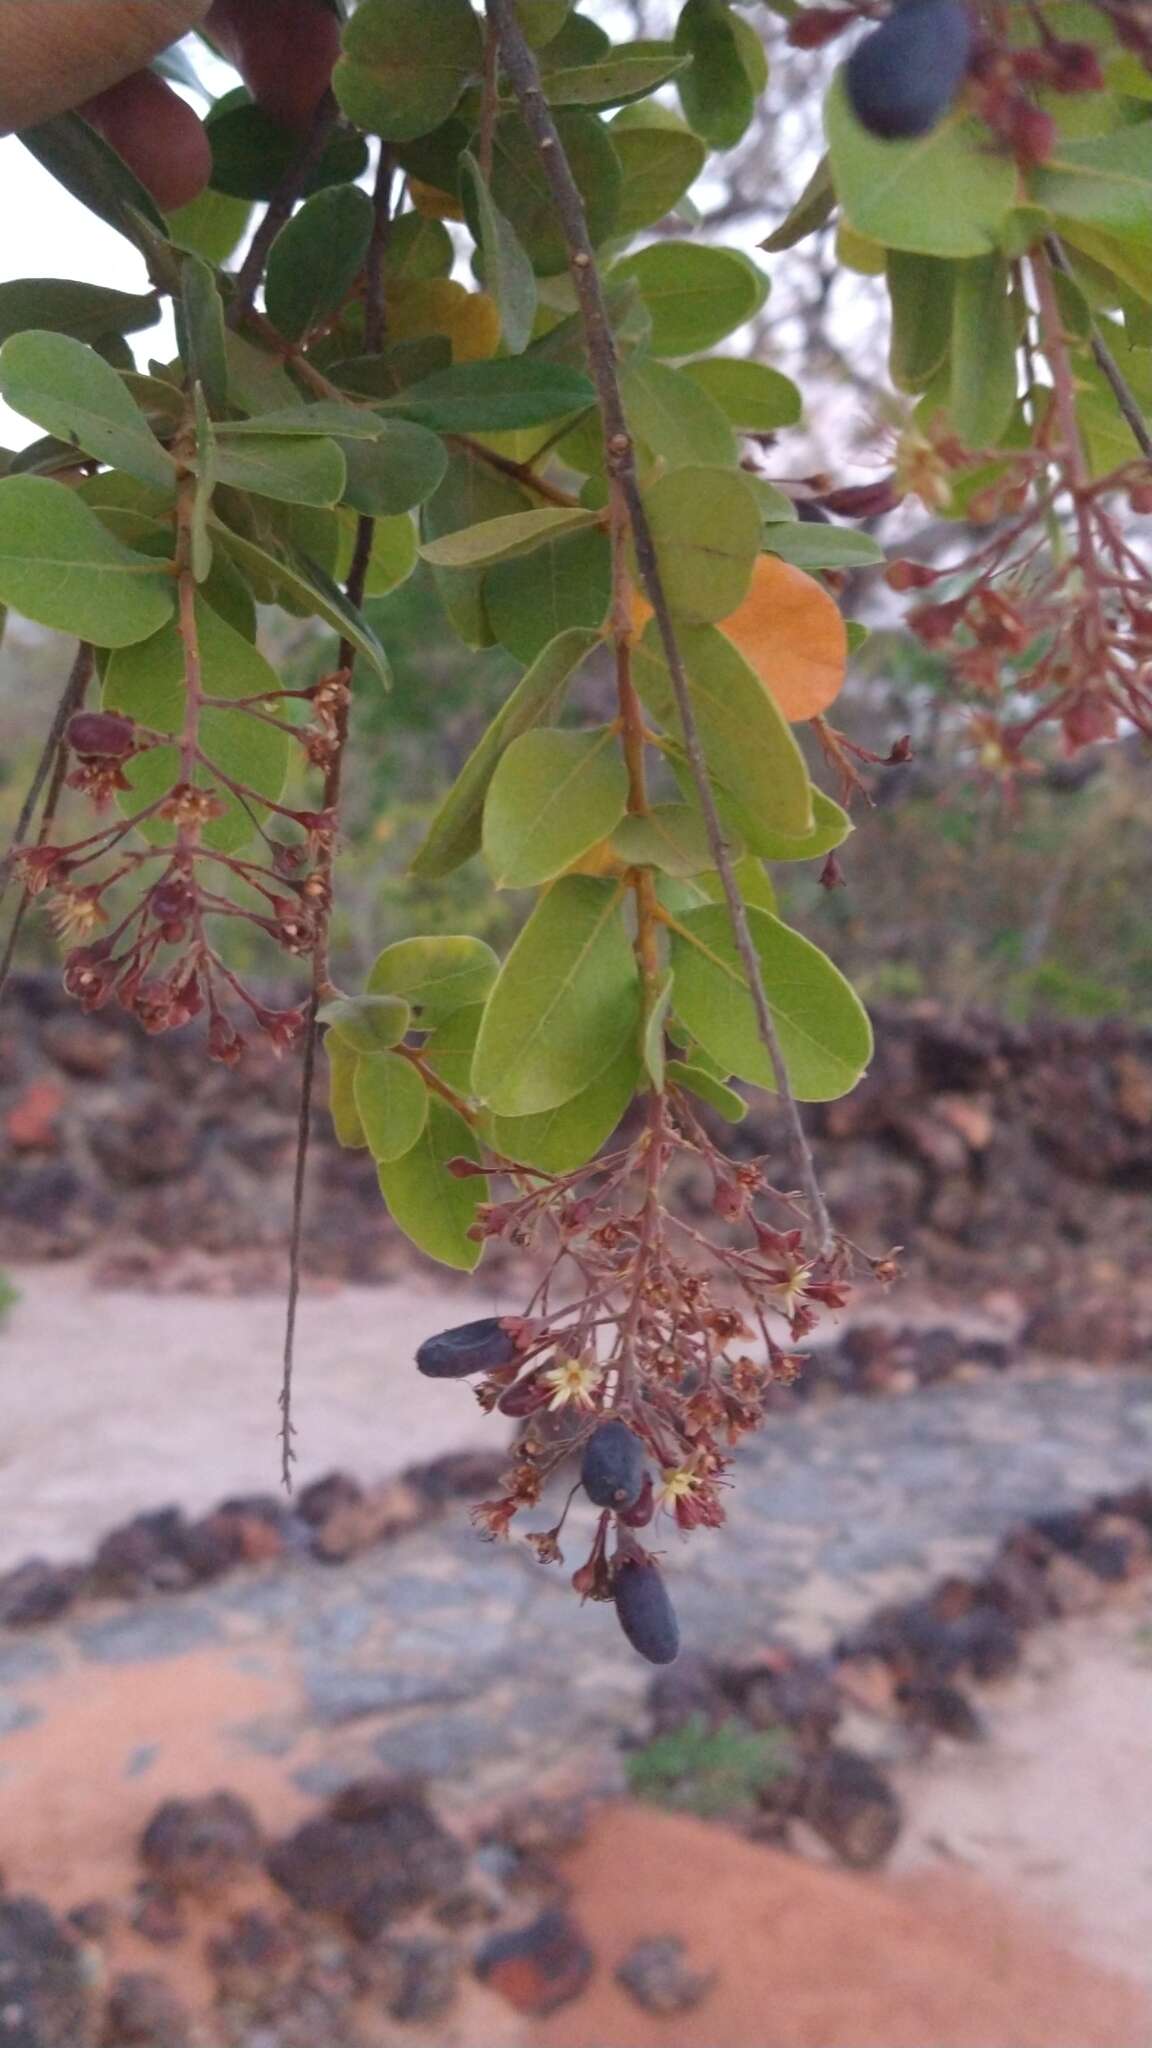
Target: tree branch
{"type": "Point", "coordinates": [521, 69]}
{"type": "Point", "coordinates": [280, 207]}
{"type": "Point", "coordinates": [1106, 362]}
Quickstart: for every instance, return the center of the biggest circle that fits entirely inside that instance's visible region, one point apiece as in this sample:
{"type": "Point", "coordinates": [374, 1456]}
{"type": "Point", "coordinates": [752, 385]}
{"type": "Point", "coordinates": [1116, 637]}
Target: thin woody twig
{"type": "Point", "coordinates": [54, 759]}
{"type": "Point", "coordinates": [1106, 362]}
{"type": "Point", "coordinates": [521, 70]}
{"type": "Point", "coordinates": [346, 658]}
{"type": "Point", "coordinates": [280, 207]}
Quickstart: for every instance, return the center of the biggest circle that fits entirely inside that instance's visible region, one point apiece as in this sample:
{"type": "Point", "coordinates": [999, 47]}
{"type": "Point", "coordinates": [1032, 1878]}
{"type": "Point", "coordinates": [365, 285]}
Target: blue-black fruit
{"type": "Point", "coordinates": [646, 1614]}
{"type": "Point", "coordinates": [612, 1469]}
{"type": "Point", "coordinates": [901, 79]}
{"type": "Point", "coordinates": [482, 1346]}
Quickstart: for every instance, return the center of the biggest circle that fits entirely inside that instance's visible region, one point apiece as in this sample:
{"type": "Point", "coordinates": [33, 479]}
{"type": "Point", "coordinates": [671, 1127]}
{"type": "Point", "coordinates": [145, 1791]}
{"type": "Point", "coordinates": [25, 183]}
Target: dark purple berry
{"type": "Point", "coordinates": [612, 1469]}
{"type": "Point", "coordinates": [483, 1346]}
{"type": "Point", "coordinates": [646, 1614]}
{"type": "Point", "coordinates": [904, 76]}
{"type": "Point", "coordinates": [101, 735]}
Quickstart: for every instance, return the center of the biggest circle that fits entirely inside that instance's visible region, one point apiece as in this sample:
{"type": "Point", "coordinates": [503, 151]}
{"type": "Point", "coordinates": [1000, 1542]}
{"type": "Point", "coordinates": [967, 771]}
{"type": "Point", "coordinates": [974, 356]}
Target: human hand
{"type": "Point", "coordinates": [89, 53]}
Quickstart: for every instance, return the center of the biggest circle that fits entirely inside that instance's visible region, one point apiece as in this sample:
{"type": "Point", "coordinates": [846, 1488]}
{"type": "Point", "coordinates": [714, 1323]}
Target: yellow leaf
{"type": "Point", "coordinates": [790, 631]}
{"type": "Point", "coordinates": [600, 859]}
{"type": "Point", "coordinates": [432, 203]}
{"type": "Point", "coordinates": [438, 305]}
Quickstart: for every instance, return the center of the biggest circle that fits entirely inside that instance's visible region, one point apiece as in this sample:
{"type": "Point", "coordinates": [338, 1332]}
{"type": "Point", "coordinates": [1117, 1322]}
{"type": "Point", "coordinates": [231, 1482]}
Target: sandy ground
{"type": "Point", "coordinates": [114, 1402]}
{"type": "Point", "coordinates": [1056, 1809]}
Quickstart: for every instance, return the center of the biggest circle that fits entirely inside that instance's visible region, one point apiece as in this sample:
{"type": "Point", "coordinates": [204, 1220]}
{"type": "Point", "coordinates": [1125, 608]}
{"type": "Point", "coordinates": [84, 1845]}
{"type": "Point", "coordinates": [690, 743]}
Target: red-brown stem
{"type": "Point", "coordinates": [521, 69]}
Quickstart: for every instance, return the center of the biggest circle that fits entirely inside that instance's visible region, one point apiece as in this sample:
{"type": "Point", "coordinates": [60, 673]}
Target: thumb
{"type": "Point", "coordinates": [54, 57]}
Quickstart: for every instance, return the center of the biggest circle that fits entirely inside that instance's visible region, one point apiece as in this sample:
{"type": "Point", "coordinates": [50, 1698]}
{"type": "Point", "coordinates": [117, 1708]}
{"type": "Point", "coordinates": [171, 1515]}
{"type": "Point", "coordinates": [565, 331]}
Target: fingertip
{"type": "Point", "coordinates": [285, 53]}
{"type": "Point", "coordinates": [158, 135]}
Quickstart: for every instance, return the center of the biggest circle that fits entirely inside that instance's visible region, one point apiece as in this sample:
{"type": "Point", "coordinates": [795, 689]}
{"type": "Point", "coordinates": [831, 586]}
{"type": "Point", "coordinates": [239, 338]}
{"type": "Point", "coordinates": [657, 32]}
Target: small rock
{"type": "Point", "coordinates": [144, 2012]}
{"type": "Point", "coordinates": [323, 1496]}
{"type": "Point", "coordinates": [37, 1591]}
{"type": "Point", "coordinates": [688, 1690]}
{"type": "Point", "coordinates": [868, 1682]}
{"type": "Point", "coordinates": [458, 1475]}
{"type": "Point", "coordinates": [543, 1827]}
{"type": "Point", "coordinates": [991, 1643]}
{"type": "Point", "coordinates": [159, 1916]}
{"type": "Point", "coordinates": [143, 1555]}
{"type": "Point", "coordinates": [32, 1123]}
{"type": "Point", "coordinates": [852, 1806]}
{"type": "Point", "coordinates": [45, 1992]}
{"type": "Point", "coordinates": [253, 1953]}
{"type": "Point", "coordinates": [657, 1974]}
{"type": "Point", "coordinates": [1074, 1588]}
{"type": "Point", "coordinates": [201, 1845]}
{"type": "Point", "coordinates": [420, 1977]}
{"type": "Point", "coordinates": [357, 1525]}
{"type": "Point", "coordinates": [540, 1967]}
{"type": "Point", "coordinates": [943, 1708]}
{"type": "Point", "coordinates": [93, 1920]}
{"type": "Point", "coordinates": [378, 1852]}
{"type": "Point", "coordinates": [82, 1047]}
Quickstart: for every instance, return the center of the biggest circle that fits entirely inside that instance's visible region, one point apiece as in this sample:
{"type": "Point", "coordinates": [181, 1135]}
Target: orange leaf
{"type": "Point", "coordinates": [791, 633]}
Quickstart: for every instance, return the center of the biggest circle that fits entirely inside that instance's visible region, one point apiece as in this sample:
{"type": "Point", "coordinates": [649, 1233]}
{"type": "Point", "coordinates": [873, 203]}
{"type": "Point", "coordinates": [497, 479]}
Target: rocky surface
{"type": "Point", "coordinates": [989, 1152]}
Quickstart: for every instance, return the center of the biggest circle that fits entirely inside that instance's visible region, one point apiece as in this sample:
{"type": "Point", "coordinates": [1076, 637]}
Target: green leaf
{"type": "Point", "coordinates": [831, 826]}
{"type": "Point", "coordinates": [673, 416]}
{"type": "Point", "coordinates": [659, 159]}
{"type": "Point", "coordinates": [437, 975]}
{"type": "Point", "coordinates": [291, 574]}
{"type": "Point", "coordinates": [327, 417]}
{"type": "Point", "coordinates": [508, 275]}
{"type": "Point", "coordinates": [671, 837]}
{"type": "Point", "coordinates": [316, 258]}
{"type": "Point", "coordinates": [560, 1140]}
{"type": "Point", "coordinates": [62, 305]}
{"type": "Point", "coordinates": [90, 169]}
{"type": "Point", "coordinates": [449, 1048]}
{"type": "Point", "coordinates": [706, 526]}
{"type": "Point", "coordinates": [814, 206]}
{"type": "Point", "coordinates": [201, 330]}
{"type": "Point", "coordinates": [252, 153]}
{"type": "Point", "coordinates": [367, 1023]}
{"type": "Point", "coordinates": [543, 20]}
{"type": "Point", "coordinates": [304, 472]}
{"type": "Point", "coordinates": [146, 682]}
{"type": "Point", "coordinates": [570, 585]}
{"type": "Point", "coordinates": [521, 190]}
{"type": "Point", "coordinates": [749, 747]}
{"type": "Point", "coordinates": [398, 470]}
{"type": "Point", "coordinates": [417, 248]}
{"type": "Point", "coordinates": [471, 491]}
{"type": "Point", "coordinates": [628, 72]}
{"type": "Point", "coordinates": [566, 1000]}
{"type": "Point", "coordinates": [428, 1203]}
{"type": "Point", "coordinates": [405, 65]}
{"type": "Point", "coordinates": [809, 544]}
{"type": "Point", "coordinates": [754, 398]}
{"type": "Point", "coordinates": [654, 1033]}
{"type": "Point", "coordinates": [342, 1065]}
{"type": "Point", "coordinates": [824, 1032]}
{"type": "Point", "coordinates": [553, 795]}
{"type": "Point", "coordinates": [982, 388]}
{"type": "Point", "coordinates": [72, 392]}
{"type": "Point", "coordinates": [920, 291]}
{"type": "Point", "coordinates": [60, 566]}
{"type": "Point", "coordinates": [456, 829]}
{"type": "Point", "coordinates": [696, 294]}
{"type": "Point", "coordinates": [488, 397]}
{"type": "Point", "coordinates": [716, 92]}
{"type": "Point", "coordinates": [501, 540]}
{"type": "Point", "coordinates": [210, 226]}
{"type": "Point", "coordinates": [258, 381]}
{"type": "Point", "coordinates": [943, 194]}
{"type": "Point", "coordinates": [1105, 182]}
{"type": "Point", "coordinates": [392, 1104]}
{"type": "Point", "coordinates": [685, 1074]}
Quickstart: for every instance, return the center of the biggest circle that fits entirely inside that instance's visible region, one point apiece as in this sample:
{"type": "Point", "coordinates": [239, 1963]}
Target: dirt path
{"type": "Point", "coordinates": [112, 1402]}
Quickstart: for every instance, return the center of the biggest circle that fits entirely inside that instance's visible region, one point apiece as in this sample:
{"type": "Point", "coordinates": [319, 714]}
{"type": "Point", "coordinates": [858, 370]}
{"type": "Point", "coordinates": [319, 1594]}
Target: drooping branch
{"type": "Point", "coordinates": [524, 77]}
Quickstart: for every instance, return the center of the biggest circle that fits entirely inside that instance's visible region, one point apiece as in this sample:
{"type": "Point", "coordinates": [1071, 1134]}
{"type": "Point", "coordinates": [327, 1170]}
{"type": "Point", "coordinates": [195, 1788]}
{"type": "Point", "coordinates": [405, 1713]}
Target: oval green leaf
{"type": "Point", "coordinates": [566, 999]}
{"type": "Point", "coordinates": [438, 975]}
{"type": "Point", "coordinates": [560, 1140]}
{"type": "Point", "coordinates": [427, 1202]}
{"type": "Point", "coordinates": [391, 1103]}
{"type": "Point", "coordinates": [73, 393]}
{"type": "Point", "coordinates": [554, 794]}
{"type": "Point", "coordinates": [695, 294]}
{"type": "Point", "coordinates": [706, 526]}
{"type": "Point", "coordinates": [367, 1023]}
{"type": "Point", "coordinates": [316, 259]}
{"type": "Point", "coordinates": [60, 566]}
{"type": "Point", "coordinates": [823, 1028]}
